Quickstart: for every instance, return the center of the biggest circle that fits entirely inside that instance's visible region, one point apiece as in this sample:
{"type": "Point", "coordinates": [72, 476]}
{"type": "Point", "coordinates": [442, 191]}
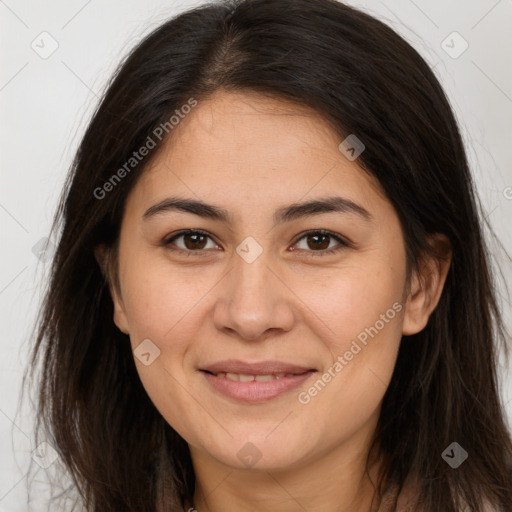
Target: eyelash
{"type": "Point", "coordinates": [343, 243]}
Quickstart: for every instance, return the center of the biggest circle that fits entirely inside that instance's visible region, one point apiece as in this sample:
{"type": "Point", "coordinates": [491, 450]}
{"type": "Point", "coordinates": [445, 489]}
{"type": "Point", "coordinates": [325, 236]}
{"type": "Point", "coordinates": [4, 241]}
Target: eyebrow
{"type": "Point", "coordinates": [288, 213]}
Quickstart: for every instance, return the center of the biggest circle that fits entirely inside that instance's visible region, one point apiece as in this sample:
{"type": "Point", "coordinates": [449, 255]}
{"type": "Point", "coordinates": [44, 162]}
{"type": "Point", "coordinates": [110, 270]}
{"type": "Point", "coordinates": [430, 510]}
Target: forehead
{"type": "Point", "coordinates": [245, 146]}
{"type": "Point", "coordinates": [229, 124]}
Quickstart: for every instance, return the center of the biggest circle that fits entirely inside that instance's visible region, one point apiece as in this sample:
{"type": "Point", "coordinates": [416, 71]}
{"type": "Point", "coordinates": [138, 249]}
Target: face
{"type": "Point", "coordinates": [268, 334]}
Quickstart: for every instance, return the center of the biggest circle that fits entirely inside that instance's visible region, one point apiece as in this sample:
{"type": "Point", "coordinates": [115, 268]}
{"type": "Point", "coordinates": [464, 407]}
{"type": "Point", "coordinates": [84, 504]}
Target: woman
{"type": "Point", "coordinates": [271, 290]}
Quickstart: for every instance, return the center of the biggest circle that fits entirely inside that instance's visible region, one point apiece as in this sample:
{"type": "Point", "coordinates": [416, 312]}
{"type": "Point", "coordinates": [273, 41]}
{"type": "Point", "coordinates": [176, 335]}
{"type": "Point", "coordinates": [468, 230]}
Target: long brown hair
{"type": "Point", "coordinates": [362, 78]}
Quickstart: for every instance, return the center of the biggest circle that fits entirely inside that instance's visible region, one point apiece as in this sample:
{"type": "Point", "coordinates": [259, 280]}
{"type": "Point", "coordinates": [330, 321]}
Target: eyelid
{"type": "Point", "coordinates": [343, 242]}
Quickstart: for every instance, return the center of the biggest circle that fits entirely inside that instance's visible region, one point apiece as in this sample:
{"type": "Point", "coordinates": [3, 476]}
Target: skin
{"type": "Point", "coordinates": [251, 155]}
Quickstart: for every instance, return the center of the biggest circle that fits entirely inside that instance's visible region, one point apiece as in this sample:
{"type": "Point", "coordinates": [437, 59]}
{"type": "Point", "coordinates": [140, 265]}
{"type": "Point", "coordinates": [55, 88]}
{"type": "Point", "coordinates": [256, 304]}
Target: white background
{"type": "Point", "coordinates": [46, 103]}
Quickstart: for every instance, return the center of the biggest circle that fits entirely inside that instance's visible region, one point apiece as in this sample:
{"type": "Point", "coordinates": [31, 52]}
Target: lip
{"type": "Point", "coordinates": [255, 391]}
{"type": "Point", "coordinates": [255, 368]}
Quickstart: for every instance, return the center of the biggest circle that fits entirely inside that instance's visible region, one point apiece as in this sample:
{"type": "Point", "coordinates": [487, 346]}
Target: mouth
{"type": "Point", "coordinates": [255, 382]}
{"type": "Point", "coordinates": [241, 377]}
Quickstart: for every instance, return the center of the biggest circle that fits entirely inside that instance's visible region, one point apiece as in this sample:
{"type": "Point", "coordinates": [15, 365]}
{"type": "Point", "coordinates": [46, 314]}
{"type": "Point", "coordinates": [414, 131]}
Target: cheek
{"type": "Point", "coordinates": [159, 300]}
{"type": "Point", "coordinates": [163, 308]}
{"type": "Point", "coordinates": [349, 391]}
{"type": "Point", "coordinates": [347, 302]}
{"type": "Point", "coordinates": [360, 313]}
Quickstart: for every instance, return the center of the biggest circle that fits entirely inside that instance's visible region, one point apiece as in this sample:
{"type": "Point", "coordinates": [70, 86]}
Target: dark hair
{"type": "Point", "coordinates": [363, 79]}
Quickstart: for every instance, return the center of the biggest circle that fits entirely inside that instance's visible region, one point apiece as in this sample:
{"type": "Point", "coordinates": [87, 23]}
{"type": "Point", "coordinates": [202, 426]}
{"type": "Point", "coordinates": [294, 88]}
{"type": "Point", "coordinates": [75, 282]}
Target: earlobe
{"type": "Point", "coordinates": [119, 315]}
{"type": "Point", "coordinates": [415, 317]}
{"type": "Point", "coordinates": [100, 254]}
{"type": "Point", "coordinates": [102, 257]}
{"type": "Point", "coordinates": [426, 286]}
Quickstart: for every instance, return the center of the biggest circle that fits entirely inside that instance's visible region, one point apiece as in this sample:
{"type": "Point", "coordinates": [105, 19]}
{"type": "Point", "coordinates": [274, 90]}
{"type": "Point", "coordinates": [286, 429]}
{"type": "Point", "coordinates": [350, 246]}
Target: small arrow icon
{"type": "Point", "coordinates": [351, 147]}
{"type": "Point", "coordinates": [249, 454]}
{"type": "Point", "coordinates": [454, 455]}
{"type": "Point", "coordinates": [249, 249]}
{"type": "Point", "coordinates": [146, 352]}
{"type": "Point", "coordinates": [44, 249]}
{"type": "Point", "coordinates": [44, 45]}
{"type": "Point", "coordinates": [454, 45]}
{"type": "Point", "coordinates": [44, 455]}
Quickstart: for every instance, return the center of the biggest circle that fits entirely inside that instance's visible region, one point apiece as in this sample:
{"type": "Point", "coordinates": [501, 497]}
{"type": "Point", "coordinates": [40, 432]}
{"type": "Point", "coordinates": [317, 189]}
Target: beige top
{"type": "Point", "coordinates": [407, 501]}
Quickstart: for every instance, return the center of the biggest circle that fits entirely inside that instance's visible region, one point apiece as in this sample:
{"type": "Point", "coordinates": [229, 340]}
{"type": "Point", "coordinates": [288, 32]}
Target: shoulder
{"type": "Point", "coordinates": [408, 499]}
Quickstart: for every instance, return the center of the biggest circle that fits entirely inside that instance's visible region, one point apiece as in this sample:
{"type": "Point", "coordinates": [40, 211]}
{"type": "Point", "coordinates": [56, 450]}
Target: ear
{"type": "Point", "coordinates": [103, 255]}
{"type": "Point", "coordinates": [426, 285]}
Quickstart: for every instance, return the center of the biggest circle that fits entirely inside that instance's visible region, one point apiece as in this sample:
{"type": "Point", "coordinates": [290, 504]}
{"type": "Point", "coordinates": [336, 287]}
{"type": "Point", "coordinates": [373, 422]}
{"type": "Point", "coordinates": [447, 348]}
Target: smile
{"type": "Point", "coordinates": [248, 378]}
{"type": "Point", "coordinates": [256, 382]}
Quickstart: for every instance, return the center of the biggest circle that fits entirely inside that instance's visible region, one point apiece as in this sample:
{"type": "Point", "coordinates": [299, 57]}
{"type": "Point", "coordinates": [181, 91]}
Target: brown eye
{"type": "Point", "coordinates": [191, 241]}
{"type": "Point", "coordinates": [194, 241]}
{"type": "Point", "coordinates": [320, 242]}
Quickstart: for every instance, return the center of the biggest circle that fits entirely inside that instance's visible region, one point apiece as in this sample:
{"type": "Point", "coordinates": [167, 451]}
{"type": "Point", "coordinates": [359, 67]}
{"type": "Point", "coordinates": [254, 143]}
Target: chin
{"type": "Point", "coordinates": [260, 455]}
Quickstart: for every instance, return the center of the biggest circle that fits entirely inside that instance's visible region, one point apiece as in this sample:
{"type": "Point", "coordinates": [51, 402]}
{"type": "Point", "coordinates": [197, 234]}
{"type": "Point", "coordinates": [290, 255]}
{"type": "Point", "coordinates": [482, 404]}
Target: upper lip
{"type": "Point", "coordinates": [256, 368]}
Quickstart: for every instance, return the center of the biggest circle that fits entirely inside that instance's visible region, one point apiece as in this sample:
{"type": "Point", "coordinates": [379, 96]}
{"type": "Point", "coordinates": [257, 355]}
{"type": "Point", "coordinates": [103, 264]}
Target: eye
{"type": "Point", "coordinates": [320, 240]}
{"type": "Point", "coordinates": [193, 240]}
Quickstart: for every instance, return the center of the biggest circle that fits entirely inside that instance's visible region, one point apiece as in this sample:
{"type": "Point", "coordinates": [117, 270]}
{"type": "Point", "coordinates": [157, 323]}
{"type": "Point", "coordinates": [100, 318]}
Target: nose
{"type": "Point", "coordinates": [254, 301]}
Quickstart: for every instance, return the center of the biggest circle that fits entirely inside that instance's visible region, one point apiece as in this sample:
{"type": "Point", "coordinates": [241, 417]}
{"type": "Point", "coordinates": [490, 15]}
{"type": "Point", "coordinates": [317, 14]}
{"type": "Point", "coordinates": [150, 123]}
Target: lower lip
{"type": "Point", "coordinates": [255, 391]}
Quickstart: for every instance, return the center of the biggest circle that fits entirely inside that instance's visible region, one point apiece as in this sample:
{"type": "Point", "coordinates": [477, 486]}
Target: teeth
{"type": "Point", "coordinates": [240, 377]}
{"type": "Point", "coordinates": [263, 378]}
{"type": "Point", "coordinates": [233, 376]}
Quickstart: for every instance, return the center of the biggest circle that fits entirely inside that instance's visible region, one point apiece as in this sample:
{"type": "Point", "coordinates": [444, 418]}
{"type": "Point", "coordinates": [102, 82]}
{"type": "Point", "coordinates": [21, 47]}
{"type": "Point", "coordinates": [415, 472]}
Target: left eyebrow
{"type": "Point", "coordinates": [334, 204]}
{"type": "Point", "coordinates": [288, 213]}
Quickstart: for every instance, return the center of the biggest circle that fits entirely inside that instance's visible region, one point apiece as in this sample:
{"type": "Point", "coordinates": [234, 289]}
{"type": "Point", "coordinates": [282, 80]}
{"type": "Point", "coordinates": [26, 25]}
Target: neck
{"type": "Point", "coordinates": [332, 482]}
